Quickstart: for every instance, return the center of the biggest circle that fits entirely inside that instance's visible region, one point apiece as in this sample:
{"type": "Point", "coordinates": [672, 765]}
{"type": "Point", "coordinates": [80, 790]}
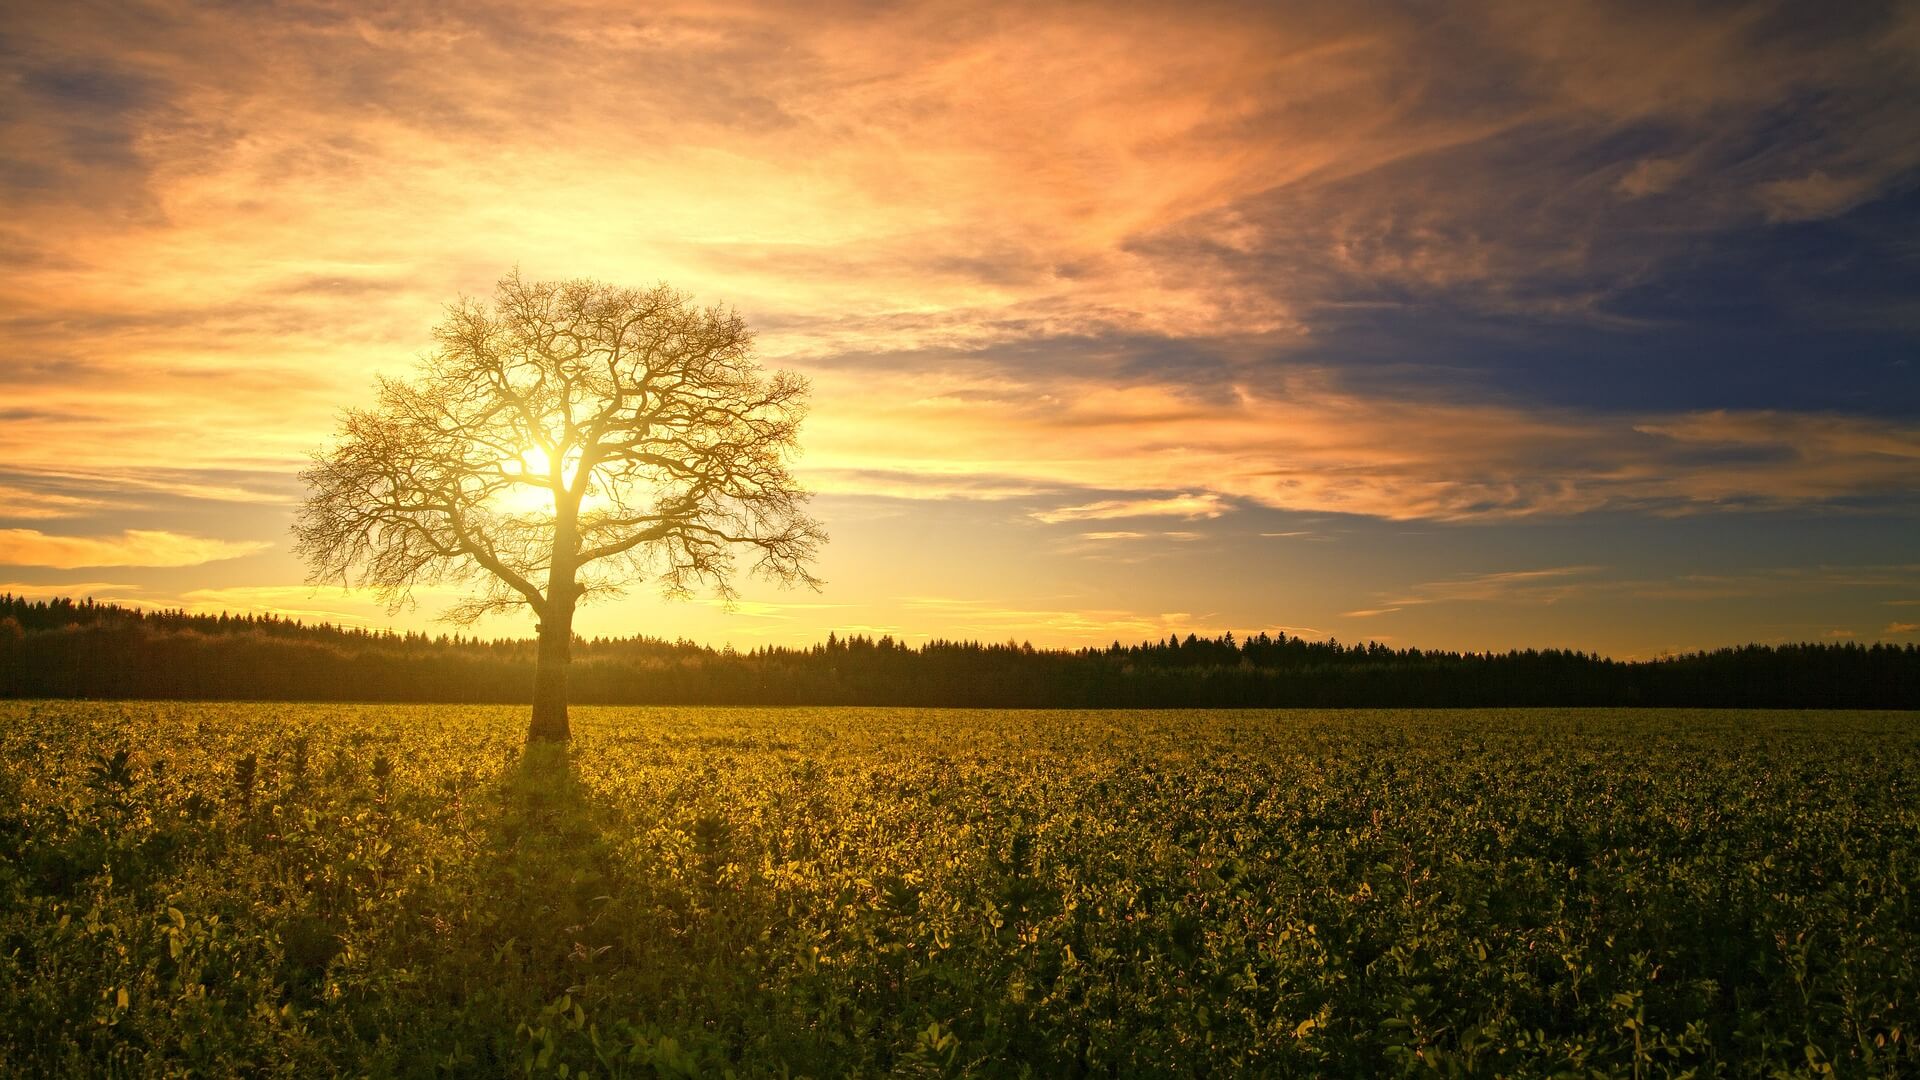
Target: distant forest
{"type": "Point", "coordinates": [68, 649]}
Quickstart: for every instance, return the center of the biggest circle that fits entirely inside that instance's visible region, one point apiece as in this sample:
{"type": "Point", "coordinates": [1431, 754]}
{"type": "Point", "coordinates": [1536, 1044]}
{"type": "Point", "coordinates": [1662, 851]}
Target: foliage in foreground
{"type": "Point", "coordinates": [305, 890]}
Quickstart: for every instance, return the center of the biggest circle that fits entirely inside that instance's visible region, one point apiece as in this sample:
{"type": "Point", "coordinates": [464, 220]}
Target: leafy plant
{"type": "Point", "coordinates": [693, 892]}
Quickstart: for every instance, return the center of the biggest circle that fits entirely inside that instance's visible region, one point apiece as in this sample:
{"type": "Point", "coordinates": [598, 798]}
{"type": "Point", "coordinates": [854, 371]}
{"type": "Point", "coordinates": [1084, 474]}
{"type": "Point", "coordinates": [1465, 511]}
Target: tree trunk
{"type": "Point", "coordinates": [550, 675]}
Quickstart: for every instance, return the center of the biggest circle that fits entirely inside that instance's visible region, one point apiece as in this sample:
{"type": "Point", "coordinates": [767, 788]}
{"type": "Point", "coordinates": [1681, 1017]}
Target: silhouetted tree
{"type": "Point", "coordinates": [560, 443]}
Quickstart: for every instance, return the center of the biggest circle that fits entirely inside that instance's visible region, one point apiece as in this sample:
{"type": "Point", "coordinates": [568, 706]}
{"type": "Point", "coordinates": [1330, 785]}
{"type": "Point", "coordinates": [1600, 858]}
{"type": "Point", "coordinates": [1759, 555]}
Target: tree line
{"type": "Point", "coordinates": [80, 649]}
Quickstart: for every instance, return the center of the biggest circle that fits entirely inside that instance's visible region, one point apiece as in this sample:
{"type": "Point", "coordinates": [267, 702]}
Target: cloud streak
{"type": "Point", "coordinates": [1305, 442]}
{"type": "Point", "coordinates": [134, 547]}
{"type": "Point", "coordinates": [1189, 506]}
{"type": "Point", "coordinates": [929, 177]}
{"type": "Point", "coordinates": [989, 620]}
{"type": "Point", "coordinates": [1541, 586]}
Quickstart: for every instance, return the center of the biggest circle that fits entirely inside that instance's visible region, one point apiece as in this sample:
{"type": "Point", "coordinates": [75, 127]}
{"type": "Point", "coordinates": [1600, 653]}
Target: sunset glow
{"type": "Point", "coordinates": [1569, 325]}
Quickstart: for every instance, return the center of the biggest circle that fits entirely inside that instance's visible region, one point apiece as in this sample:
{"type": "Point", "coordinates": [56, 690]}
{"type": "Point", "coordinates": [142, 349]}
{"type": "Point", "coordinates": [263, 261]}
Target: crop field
{"type": "Point", "coordinates": [397, 890]}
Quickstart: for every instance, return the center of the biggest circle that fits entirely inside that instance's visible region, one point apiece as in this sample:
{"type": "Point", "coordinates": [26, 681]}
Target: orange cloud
{"type": "Point", "coordinates": [134, 547]}
{"type": "Point", "coordinates": [1536, 586]}
{"type": "Point", "coordinates": [1308, 444]}
{"type": "Point", "coordinates": [922, 176]}
{"type": "Point", "coordinates": [23, 502]}
{"type": "Point", "coordinates": [98, 590]}
{"type": "Point", "coordinates": [989, 620]}
{"type": "Point", "coordinates": [1204, 505]}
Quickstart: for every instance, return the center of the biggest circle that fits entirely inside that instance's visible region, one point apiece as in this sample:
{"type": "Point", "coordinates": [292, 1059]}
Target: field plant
{"type": "Point", "coordinates": [261, 890]}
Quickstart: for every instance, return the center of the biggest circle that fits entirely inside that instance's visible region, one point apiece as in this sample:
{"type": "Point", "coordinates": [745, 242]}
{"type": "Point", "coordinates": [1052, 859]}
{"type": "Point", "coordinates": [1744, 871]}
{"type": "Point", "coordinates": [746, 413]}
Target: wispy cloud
{"type": "Point", "coordinates": [64, 491]}
{"type": "Point", "coordinates": [768, 609]}
{"type": "Point", "coordinates": [114, 592]}
{"type": "Point", "coordinates": [922, 183]}
{"type": "Point", "coordinates": [1202, 505]}
{"type": "Point", "coordinates": [990, 620]}
{"type": "Point", "coordinates": [1303, 441]}
{"type": "Point", "coordinates": [1181, 535]}
{"type": "Point", "coordinates": [134, 547]}
{"type": "Point", "coordinates": [23, 502]}
{"type": "Point", "coordinates": [322, 603]}
{"type": "Point", "coordinates": [1898, 628]}
{"type": "Point", "coordinates": [1541, 586]}
{"type": "Point", "coordinates": [903, 484]}
{"type": "Point", "coordinates": [1555, 584]}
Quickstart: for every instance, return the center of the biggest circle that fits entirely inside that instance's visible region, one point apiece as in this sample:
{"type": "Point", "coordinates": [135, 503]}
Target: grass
{"type": "Point", "coordinates": [401, 891]}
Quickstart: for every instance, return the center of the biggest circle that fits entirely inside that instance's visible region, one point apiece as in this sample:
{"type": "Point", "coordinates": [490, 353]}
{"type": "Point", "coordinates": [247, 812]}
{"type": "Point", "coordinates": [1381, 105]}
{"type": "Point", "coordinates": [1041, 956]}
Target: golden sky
{"type": "Point", "coordinates": [1570, 324]}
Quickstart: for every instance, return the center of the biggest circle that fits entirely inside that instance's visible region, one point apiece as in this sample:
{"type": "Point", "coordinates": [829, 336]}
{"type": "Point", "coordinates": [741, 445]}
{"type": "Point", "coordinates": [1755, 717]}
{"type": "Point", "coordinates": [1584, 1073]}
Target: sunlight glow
{"type": "Point", "coordinates": [1068, 283]}
{"type": "Point", "coordinates": [532, 496]}
{"type": "Point", "coordinates": [534, 466]}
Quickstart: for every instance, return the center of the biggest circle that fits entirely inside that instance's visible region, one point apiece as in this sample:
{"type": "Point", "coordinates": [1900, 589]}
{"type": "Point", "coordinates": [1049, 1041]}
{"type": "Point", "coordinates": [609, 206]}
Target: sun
{"type": "Point", "coordinates": [535, 465]}
{"type": "Point", "coordinates": [535, 461]}
{"type": "Point", "coordinates": [533, 496]}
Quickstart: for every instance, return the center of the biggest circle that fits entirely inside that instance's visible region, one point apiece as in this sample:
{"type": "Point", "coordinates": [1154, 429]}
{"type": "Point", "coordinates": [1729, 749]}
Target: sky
{"type": "Point", "coordinates": [1467, 326]}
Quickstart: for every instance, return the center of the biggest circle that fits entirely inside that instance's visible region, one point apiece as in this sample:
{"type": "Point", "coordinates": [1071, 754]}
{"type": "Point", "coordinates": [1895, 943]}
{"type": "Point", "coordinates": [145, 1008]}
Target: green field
{"type": "Point", "coordinates": [392, 890]}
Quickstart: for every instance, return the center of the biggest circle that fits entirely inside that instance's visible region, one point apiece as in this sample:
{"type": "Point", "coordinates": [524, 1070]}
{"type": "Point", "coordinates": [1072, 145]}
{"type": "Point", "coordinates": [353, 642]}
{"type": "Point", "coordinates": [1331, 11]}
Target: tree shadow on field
{"type": "Point", "coordinates": [585, 949]}
{"type": "Point", "coordinates": [552, 864]}
{"type": "Point", "coordinates": [623, 935]}
{"type": "Point", "coordinates": [525, 922]}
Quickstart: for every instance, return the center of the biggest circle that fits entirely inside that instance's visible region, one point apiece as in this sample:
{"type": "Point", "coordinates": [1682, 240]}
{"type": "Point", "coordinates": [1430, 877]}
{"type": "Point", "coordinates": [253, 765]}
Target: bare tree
{"type": "Point", "coordinates": [560, 443]}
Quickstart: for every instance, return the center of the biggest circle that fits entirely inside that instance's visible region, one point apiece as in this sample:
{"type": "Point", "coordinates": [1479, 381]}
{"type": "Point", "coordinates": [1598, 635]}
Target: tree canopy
{"type": "Point", "coordinates": [559, 444]}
